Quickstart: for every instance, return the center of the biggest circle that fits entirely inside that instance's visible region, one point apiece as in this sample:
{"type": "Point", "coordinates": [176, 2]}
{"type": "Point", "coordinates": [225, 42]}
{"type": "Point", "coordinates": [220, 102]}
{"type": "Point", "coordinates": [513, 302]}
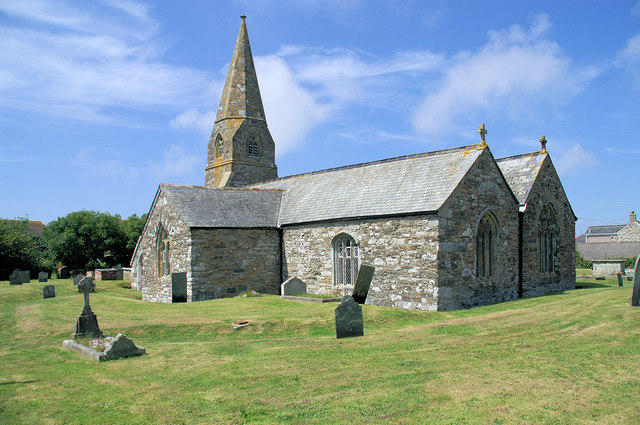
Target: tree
{"type": "Point", "coordinates": [132, 229]}
{"type": "Point", "coordinates": [85, 240]}
{"type": "Point", "coordinates": [18, 249]}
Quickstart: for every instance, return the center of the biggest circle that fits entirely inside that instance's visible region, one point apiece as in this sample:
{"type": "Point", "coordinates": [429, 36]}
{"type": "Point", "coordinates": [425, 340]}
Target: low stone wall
{"type": "Point", "coordinates": [608, 268]}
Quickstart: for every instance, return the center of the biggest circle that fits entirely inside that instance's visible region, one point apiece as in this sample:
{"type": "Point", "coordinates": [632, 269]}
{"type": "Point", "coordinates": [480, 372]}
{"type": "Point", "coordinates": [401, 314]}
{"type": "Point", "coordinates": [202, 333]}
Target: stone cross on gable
{"type": "Point", "coordinates": [86, 285]}
{"type": "Point", "coordinates": [543, 143]}
{"type": "Point", "coordinates": [483, 131]}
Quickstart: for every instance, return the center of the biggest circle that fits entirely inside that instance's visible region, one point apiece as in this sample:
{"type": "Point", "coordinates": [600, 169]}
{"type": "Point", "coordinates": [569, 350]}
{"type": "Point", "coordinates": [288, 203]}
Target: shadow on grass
{"type": "Point", "coordinates": [590, 285]}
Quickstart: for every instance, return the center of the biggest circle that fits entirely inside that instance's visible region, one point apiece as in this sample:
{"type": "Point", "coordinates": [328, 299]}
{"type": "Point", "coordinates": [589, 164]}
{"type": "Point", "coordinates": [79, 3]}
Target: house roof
{"type": "Point", "coordinates": [604, 230]}
{"type": "Point", "coordinates": [224, 208]}
{"type": "Point", "coordinates": [410, 184]}
{"type": "Point", "coordinates": [521, 172]}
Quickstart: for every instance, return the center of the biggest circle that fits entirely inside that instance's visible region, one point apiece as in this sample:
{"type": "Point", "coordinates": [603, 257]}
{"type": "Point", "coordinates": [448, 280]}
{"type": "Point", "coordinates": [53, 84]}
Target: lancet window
{"type": "Point", "coordinates": [346, 257]}
{"type": "Point", "coordinates": [486, 244]}
{"type": "Point", "coordinates": [547, 239]}
{"type": "Point", "coordinates": [252, 146]}
{"type": "Point", "coordinates": [219, 146]}
{"type": "Point", "coordinates": [162, 241]}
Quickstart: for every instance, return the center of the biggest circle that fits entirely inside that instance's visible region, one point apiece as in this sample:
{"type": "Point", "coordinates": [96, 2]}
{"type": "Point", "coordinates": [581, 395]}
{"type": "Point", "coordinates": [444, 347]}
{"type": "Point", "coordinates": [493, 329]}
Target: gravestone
{"type": "Point", "coordinates": [49, 291]}
{"type": "Point", "coordinates": [122, 347]}
{"type": "Point", "coordinates": [87, 323]}
{"type": "Point", "coordinates": [15, 278]}
{"type": "Point", "coordinates": [43, 277]}
{"type": "Point", "coordinates": [179, 287]}
{"type": "Point", "coordinates": [293, 285]}
{"type": "Point", "coordinates": [77, 279]}
{"type": "Point", "coordinates": [619, 279]}
{"type": "Point", "coordinates": [635, 294]}
{"type": "Point", "coordinates": [25, 276]}
{"type": "Point", "coordinates": [349, 318]}
{"type": "Point", "coordinates": [363, 282]}
{"type": "Point", "coordinates": [63, 273]}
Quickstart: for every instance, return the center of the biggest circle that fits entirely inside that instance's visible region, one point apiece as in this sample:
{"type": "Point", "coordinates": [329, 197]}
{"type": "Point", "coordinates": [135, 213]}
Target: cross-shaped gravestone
{"type": "Point", "coordinates": [543, 143]}
{"type": "Point", "coordinates": [87, 323]}
{"type": "Point", "coordinates": [483, 132]}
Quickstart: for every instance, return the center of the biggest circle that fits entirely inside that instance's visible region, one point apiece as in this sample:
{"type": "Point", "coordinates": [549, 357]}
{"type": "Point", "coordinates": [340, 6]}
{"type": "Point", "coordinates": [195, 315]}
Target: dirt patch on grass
{"type": "Point", "coordinates": [29, 317]}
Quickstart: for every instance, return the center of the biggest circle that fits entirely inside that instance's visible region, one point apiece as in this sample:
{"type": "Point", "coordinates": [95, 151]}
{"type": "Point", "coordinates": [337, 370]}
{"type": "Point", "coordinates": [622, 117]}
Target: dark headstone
{"type": "Point", "coordinates": [349, 318]}
{"type": "Point", "coordinates": [77, 278]}
{"type": "Point", "coordinates": [43, 277]}
{"type": "Point", "coordinates": [363, 282]}
{"type": "Point", "coordinates": [25, 276]}
{"type": "Point", "coordinates": [293, 285]}
{"type": "Point", "coordinates": [49, 291]}
{"type": "Point", "coordinates": [122, 347]}
{"type": "Point", "coordinates": [635, 294]}
{"type": "Point", "coordinates": [87, 323]}
{"type": "Point", "coordinates": [63, 273]}
{"type": "Point", "coordinates": [15, 278]}
{"type": "Point", "coordinates": [619, 279]}
{"type": "Point", "coordinates": [179, 287]}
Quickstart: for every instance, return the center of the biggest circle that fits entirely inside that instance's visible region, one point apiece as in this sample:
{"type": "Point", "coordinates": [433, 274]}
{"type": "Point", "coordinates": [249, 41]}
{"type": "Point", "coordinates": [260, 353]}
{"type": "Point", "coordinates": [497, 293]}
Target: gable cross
{"type": "Point", "coordinates": [543, 143]}
{"type": "Point", "coordinates": [483, 131]}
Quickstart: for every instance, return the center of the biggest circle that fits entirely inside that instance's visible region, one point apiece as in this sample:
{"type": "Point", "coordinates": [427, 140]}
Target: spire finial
{"type": "Point", "coordinates": [483, 131]}
{"type": "Point", "coordinates": [244, 15]}
{"type": "Point", "coordinates": [543, 144]}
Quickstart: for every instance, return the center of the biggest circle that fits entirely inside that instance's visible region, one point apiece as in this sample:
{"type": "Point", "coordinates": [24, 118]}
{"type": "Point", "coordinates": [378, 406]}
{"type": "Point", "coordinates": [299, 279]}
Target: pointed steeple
{"type": "Point", "coordinates": [241, 150]}
{"type": "Point", "coordinates": [241, 94]}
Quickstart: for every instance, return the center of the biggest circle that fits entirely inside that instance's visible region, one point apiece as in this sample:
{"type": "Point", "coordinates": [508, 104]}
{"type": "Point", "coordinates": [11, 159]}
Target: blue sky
{"type": "Point", "coordinates": [101, 101]}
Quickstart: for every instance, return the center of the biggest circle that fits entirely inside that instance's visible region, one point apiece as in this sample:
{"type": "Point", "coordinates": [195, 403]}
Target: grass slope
{"type": "Point", "coordinates": [567, 358]}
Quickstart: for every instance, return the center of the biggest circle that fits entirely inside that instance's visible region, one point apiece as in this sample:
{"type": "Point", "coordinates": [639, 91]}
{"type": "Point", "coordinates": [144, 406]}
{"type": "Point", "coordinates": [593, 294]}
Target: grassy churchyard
{"type": "Point", "coordinates": [565, 358]}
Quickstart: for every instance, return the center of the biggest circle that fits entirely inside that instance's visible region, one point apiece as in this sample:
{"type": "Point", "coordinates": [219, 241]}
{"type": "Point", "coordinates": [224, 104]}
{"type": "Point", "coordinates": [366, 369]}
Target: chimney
{"type": "Point", "coordinates": [632, 217]}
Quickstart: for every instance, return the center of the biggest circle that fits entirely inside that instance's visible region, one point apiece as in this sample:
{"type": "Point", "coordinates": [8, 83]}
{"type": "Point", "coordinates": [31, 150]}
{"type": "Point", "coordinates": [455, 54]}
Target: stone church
{"type": "Point", "coordinates": [445, 230]}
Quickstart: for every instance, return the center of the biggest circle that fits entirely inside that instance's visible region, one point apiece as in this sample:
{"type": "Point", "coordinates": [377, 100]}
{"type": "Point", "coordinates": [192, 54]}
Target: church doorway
{"type": "Point", "coordinates": [179, 287]}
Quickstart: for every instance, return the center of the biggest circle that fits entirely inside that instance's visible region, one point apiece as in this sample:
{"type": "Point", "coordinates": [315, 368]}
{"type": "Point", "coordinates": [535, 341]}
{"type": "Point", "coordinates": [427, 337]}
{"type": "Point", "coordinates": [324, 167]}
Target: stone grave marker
{"type": "Point", "coordinates": [87, 323]}
{"type": "Point", "coordinates": [293, 285]}
{"type": "Point", "coordinates": [77, 278]}
{"type": "Point", "coordinates": [15, 278]}
{"type": "Point", "coordinates": [122, 347]}
{"type": "Point", "coordinates": [25, 276]}
{"type": "Point", "coordinates": [635, 294]}
{"type": "Point", "coordinates": [43, 277]}
{"type": "Point", "coordinates": [349, 318]}
{"type": "Point", "coordinates": [619, 279]}
{"type": "Point", "coordinates": [179, 287]}
{"type": "Point", "coordinates": [49, 291]}
{"type": "Point", "coordinates": [363, 282]}
{"type": "Point", "coordinates": [63, 273]}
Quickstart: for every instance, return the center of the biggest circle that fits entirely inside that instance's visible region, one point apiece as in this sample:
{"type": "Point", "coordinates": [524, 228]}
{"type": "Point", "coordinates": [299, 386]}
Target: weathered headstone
{"type": "Point", "coordinates": [363, 282]}
{"type": "Point", "coordinates": [63, 273]}
{"type": "Point", "coordinates": [635, 294]}
{"type": "Point", "coordinates": [77, 278]}
{"type": "Point", "coordinates": [122, 347]}
{"type": "Point", "coordinates": [43, 277]}
{"type": "Point", "coordinates": [349, 318]}
{"type": "Point", "coordinates": [49, 291]}
{"type": "Point", "coordinates": [619, 279]}
{"type": "Point", "coordinates": [15, 278]}
{"type": "Point", "coordinates": [179, 287]}
{"type": "Point", "coordinates": [87, 323]}
{"type": "Point", "coordinates": [25, 276]}
{"type": "Point", "coordinates": [293, 285]}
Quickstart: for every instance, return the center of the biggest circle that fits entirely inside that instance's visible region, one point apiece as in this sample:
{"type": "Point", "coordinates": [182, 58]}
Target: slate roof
{"type": "Point", "coordinates": [609, 230]}
{"type": "Point", "coordinates": [410, 184]}
{"type": "Point", "coordinates": [521, 171]}
{"type": "Point", "coordinates": [224, 208]}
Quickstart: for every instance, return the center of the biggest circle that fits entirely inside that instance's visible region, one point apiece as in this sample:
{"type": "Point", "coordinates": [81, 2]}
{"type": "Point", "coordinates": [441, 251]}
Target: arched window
{"type": "Point", "coordinates": [345, 260]}
{"type": "Point", "coordinates": [547, 239]}
{"type": "Point", "coordinates": [162, 244]}
{"type": "Point", "coordinates": [219, 146]}
{"type": "Point", "coordinates": [486, 244]}
{"type": "Point", "coordinates": [252, 146]}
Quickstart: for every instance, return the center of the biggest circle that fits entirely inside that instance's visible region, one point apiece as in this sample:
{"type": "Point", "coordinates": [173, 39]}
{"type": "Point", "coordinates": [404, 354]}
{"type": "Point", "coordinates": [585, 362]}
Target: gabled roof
{"type": "Point", "coordinates": [224, 208]}
{"type": "Point", "coordinates": [609, 230]}
{"type": "Point", "coordinates": [397, 186]}
{"type": "Point", "coordinates": [521, 172]}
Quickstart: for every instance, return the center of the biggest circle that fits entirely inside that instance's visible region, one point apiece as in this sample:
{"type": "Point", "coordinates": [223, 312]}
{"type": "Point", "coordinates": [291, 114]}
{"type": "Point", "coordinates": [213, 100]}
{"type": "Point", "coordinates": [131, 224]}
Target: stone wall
{"type": "Point", "coordinates": [154, 285]}
{"type": "Point", "coordinates": [548, 189]}
{"type": "Point", "coordinates": [483, 189]}
{"type": "Point", "coordinates": [403, 251]}
{"type": "Point", "coordinates": [225, 262]}
{"type": "Point", "coordinates": [629, 233]}
{"type": "Point", "coordinates": [608, 268]}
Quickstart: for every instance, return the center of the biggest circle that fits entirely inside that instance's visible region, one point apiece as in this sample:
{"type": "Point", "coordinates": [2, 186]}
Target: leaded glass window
{"type": "Point", "coordinates": [547, 239]}
{"type": "Point", "coordinates": [346, 256]}
{"type": "Point", "coordinates": [162, 245]}
{"type": "Point", "coordinates": [486, 243]}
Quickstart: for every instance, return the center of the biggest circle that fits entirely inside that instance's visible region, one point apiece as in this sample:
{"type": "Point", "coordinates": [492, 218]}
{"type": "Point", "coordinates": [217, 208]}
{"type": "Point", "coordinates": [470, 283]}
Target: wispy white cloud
{"type": "Point", "coordinates": [575, 160]}
{"type": "Point", "coordinates": [515, 70]}
{"type": "Point", "coordinates": [635, 10]}
{"type": "Point", "coordinates": [192, 119]}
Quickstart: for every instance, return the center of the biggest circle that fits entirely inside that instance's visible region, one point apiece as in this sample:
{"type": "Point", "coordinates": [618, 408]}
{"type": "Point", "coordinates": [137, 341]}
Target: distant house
{"type": "Point", "coordinates": [611, 241]}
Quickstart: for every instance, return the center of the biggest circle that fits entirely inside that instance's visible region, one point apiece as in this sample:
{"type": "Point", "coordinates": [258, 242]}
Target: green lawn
{"type": "Point", "coordinates": [565, 358]}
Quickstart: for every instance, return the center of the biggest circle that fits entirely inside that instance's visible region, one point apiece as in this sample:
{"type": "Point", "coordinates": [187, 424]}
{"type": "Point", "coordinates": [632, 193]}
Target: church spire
{"type": "Point", "coordinates": [241, 150]}
{"type": "Point", "coordinates": [241, 94]}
